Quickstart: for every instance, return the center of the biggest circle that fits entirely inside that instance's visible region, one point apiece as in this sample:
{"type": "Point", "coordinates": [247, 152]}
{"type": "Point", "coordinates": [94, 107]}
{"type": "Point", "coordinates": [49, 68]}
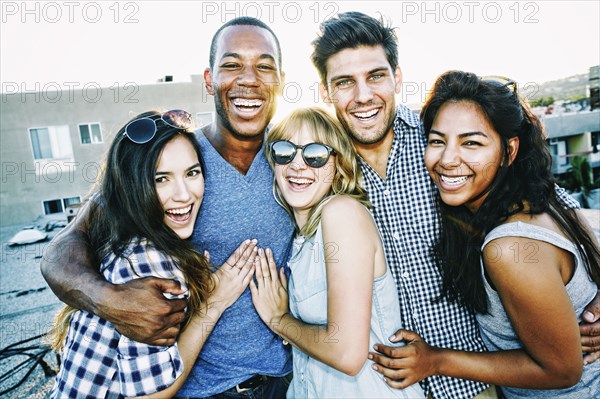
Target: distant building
{"type": "Point", "coordinates": [53, 142]}
{"type": "Point", "coordinates": [572, 134]}
{"type": "Point", "coordinates": [595, 87]}
{"type": "Point", "coordinates": [575, 130]}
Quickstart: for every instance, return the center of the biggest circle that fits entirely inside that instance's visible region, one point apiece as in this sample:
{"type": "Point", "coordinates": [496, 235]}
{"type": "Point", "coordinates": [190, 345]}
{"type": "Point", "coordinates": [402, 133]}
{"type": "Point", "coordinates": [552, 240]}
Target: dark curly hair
{"type": "Point", "coordinates": [527, 180]}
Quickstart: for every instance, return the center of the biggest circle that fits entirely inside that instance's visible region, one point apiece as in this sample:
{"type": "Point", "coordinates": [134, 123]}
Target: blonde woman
{"type": "Point", "coordinates": [342, 297]}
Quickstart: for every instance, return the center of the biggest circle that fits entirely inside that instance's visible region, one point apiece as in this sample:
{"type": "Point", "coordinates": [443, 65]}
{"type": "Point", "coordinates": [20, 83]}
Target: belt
{"type": "Point", "coordinates": [251, 383]}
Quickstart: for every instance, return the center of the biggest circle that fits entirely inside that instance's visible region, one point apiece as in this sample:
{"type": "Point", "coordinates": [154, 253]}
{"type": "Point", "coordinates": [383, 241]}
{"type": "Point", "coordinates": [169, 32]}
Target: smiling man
{"type": "Point", "coordinates": [241, 357]}
{"type": "Point", "coordinates": [357, 60]}
{"type": "Point", "coordinates": [245, 78]}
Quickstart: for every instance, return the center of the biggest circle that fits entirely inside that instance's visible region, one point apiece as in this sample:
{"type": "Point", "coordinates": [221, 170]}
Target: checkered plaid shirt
{"type": "Point", "coordinates": [405, 208]}
{"type": "Point", "coordinates": [97, 361]}
{"type": "Point", "coordinates": [406, 211]}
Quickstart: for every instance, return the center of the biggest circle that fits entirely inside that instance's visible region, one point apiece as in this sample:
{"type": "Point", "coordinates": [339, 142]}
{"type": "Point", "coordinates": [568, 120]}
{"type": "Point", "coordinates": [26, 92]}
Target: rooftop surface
{"type": "Point", "coordinates": [27, 306]}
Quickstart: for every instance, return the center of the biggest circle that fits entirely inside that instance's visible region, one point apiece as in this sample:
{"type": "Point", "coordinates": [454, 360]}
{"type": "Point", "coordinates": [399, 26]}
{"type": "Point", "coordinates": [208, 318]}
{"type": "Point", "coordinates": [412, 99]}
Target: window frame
{"type": "Point", "coordinates": [89, 125]}
{"type": "Point", "coordinates": [43, 160]}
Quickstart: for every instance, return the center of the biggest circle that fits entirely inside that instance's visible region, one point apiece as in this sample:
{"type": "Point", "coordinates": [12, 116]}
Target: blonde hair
{"type": "Point", "coordinates": [326, 130]}
{"type": "Point", "coordinates": [58, 334]}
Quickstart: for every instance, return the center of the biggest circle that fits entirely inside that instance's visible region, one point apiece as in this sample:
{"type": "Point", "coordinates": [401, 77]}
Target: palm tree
{"type": "Point", "coordinates": [580, 178]}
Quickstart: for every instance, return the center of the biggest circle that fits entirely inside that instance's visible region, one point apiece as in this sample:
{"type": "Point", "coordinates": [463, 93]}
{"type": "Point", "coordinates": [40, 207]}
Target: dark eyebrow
{"type": "Point", "coordinates": [462, 135]}
{"type": "Point", "coordinates": [196, 165]}
{"type": "Point", "coordinates": [238, 56]}
{"type": "Point", "coordinates": [234, 55]}
{"type": "Point", "coordinates": [372, 71]}
{"type": "Point", "coordinates": [268, 56]}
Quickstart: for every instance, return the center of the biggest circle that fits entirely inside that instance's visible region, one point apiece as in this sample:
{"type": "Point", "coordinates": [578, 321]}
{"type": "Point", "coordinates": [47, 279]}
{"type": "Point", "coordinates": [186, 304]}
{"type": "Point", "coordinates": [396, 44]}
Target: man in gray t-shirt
{"type": "Point", "coordinates": [245, 78]}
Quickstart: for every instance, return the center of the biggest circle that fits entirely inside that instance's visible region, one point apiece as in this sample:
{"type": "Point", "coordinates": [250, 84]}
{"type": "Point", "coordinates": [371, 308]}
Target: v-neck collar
{"type": "Point", "coordinates": [252, 171]}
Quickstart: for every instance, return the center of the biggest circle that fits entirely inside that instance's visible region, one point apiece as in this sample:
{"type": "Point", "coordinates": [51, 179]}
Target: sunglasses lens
{"type": "Point", "coordinates": [141, 131]}
{"type": "Point", "coordinates": [282, 152]}
{"type": "Point", "coordinates": [316, 155]}
{"type": "Point", "coordinates": [178, 118]}
{"type": "Point", "coordinates": [501, 81]}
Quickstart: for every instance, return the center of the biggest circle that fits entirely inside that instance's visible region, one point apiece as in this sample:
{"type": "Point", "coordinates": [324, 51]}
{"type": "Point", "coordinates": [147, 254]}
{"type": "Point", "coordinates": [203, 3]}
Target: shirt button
{"type": "Point", "coordinates": [386, 192]}
{"type": "Point", "coordinates": [415, 315]}
{"type": "Point", "coordinates": [396, 235]}
{"type": "Point", "coordinates": [405, 275]}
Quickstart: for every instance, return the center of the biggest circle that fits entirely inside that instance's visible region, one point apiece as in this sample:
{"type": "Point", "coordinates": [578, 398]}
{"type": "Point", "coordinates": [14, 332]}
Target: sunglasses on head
{"type": "Point", "coordinates": [142, 130]}
{"type": "Point", "coordinates": [315, 155]}
{"type": "Point", "coordinates": [501, 81]}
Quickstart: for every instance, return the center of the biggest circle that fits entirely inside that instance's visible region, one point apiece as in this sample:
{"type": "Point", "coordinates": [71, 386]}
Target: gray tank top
{"type": "Point", "coordinates": [496, 328]}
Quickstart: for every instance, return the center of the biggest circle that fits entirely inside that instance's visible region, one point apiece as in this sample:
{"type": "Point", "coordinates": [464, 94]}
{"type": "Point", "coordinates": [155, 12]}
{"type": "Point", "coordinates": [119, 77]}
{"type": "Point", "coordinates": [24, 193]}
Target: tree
{"type": "Point", "coordinates": [580, 178]}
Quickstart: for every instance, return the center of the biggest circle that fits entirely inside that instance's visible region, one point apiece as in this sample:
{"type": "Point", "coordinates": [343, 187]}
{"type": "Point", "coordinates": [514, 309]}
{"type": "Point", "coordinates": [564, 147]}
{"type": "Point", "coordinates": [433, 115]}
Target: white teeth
{"type": "Point", "coordinates": [242, 102]}
{"type": "Point", "coordinates": [298, 180]}
{"type": "Point", "coordinates": [180, 211]}
{"type": "Point", "coordinates": [366, 114]}
{"type": "Point", "coordinates": [454, 180]}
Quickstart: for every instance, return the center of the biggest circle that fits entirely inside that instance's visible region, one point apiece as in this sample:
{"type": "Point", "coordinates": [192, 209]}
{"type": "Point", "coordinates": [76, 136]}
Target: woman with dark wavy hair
{"type": "Point", "coordinates": [512, 250]}
{"type": "Point", "coordinates": [144, 209]}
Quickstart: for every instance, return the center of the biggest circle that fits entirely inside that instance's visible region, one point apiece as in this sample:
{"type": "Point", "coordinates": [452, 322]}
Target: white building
{"type": "Point", "coordinates": [53, 141]}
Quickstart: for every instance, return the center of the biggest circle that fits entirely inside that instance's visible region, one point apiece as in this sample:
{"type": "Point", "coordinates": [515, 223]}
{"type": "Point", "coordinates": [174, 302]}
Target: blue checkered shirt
{"type": "Point", "coordinates": [406, 211]}
{"type": "Point", "coordinates": [97, 361]}
{"type": "Point", "coordinates": [405, 207]}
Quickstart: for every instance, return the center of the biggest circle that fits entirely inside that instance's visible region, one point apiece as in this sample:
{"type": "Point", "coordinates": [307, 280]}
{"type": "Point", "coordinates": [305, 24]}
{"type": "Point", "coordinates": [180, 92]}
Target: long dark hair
{"type": "Point", "coordinates": [527, 181]}
{"type": "Point", "coordinates": [126, 207]}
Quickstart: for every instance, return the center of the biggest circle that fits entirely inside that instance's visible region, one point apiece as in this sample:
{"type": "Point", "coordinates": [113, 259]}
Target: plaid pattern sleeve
{"type": "Point", "coordinates": [145, 369]}
{"type": "Point", "coordinates": [99, 362]}
{"type": "Point", "coordinates": [569, 201]}
{"type": "Point", "coordinates": [406, 211]}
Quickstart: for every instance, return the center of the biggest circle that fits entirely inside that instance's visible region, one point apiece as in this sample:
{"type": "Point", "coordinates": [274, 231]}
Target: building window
{"type": "Point", "coordinates": [90, 133]}
{"type": "Point", "coordinates": [53, 142]}
{"type": "Point", "coordinates": [53, 206]}
{"type": "Point", "coordinates": [59, 205]}
{"type": "Point", "coordinates": [204, 118]}
{"type": "Point", "coordinates": [71, 201]}
{"type": "Point", "coordinates": [558, 150]}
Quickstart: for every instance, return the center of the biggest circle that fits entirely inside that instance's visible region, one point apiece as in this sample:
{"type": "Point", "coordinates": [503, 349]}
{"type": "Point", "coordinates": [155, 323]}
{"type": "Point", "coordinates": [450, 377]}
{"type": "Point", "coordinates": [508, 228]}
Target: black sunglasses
{"type": "Point", "coordinates": [315, 155]}
{"type": "Point", "coordinates": [142, 130]}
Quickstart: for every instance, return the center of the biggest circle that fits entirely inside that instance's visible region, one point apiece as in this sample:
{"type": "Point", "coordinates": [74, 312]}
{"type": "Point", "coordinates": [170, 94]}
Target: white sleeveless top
{"type": "Point", "coordinates": [497, 331]}
{"type": "Point", "coordinates": [308, 302]}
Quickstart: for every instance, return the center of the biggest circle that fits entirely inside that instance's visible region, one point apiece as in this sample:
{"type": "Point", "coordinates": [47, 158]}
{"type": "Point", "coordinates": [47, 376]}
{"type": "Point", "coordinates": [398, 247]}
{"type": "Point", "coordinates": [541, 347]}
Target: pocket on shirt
{"type": "Point", "coordinates": [311, 301]}
{"type": "Point", "coordinates": [306, 290]}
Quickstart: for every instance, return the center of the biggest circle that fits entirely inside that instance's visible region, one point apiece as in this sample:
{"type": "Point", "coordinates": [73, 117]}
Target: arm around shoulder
{"type": "Point", "coordinates": [69, 265]}
{"type": "Point", "coordinates": [138, 309]}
